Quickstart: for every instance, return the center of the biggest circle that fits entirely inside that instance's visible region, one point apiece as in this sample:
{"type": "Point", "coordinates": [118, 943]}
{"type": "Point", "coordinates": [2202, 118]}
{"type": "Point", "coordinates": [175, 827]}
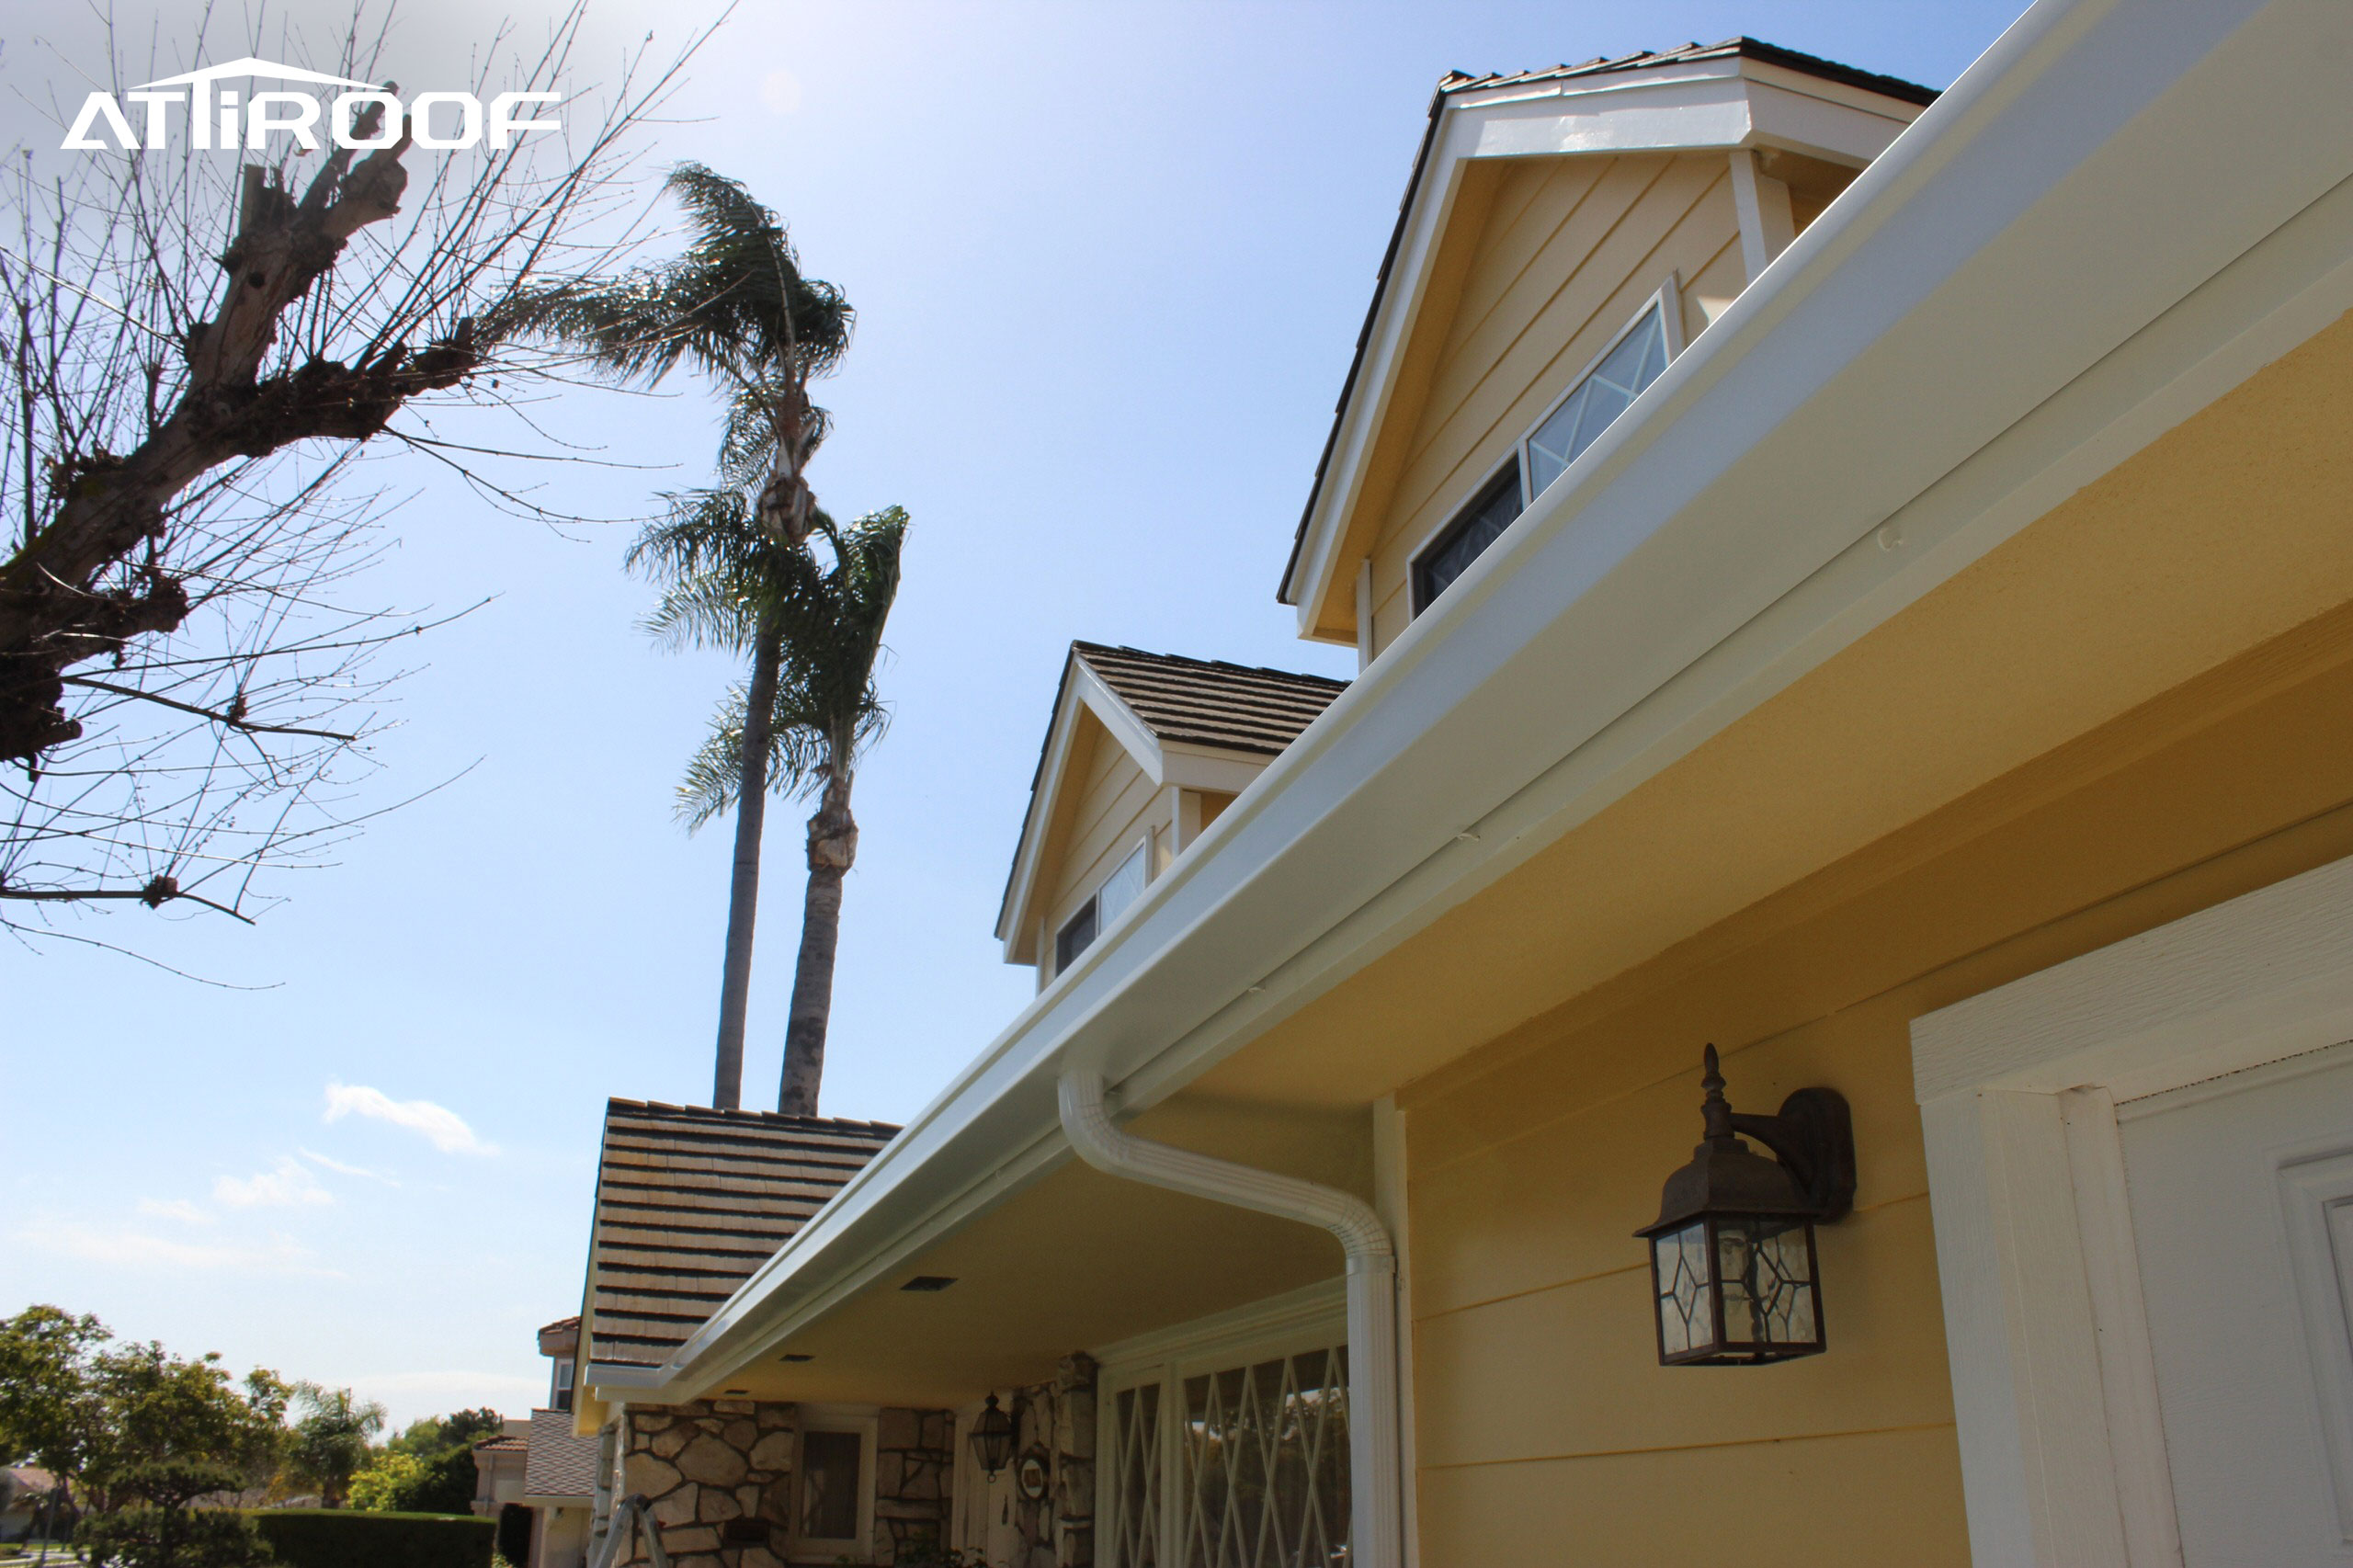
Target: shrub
{"type": "Point", "coordinates": [344, 1538]}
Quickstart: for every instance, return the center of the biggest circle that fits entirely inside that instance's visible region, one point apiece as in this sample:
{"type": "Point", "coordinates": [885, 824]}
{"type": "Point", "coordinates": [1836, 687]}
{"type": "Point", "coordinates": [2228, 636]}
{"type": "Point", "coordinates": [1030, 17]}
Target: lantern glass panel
{"type": "Point", "coordinates": [1687, 1301]}
{"type": "Point", "coordinates": [1767, 1266]}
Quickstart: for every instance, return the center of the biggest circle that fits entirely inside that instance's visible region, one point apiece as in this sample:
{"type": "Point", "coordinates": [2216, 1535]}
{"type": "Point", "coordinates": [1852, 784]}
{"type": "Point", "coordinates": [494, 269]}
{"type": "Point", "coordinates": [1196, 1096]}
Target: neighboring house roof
{"type": "Point", "coordinates": [690, 1201]}
{"type": "Point", "coordinates": [1209, 702]}
{"type": "Point", "coordinates": [503, 1445]}
{"type": "Point", "coordinates": [562, 1463]}
{"type": "Point", "coordinates": [561, 1337]}
{"type": "Point", "coordinates": [1224, 720]}
{"type": "Point", "coordinates": [31, 1480]}
{"type": "Point", "coordinates": [1456, 84]}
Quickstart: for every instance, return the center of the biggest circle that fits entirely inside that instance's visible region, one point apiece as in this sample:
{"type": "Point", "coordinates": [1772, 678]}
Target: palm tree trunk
{"type": "Point", "coordinates": [833, 846]}
{"type": "Point", "coordinates": [744, 888]}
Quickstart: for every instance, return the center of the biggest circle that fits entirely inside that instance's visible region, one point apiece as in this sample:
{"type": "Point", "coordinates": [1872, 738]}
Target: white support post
{"type": "Point", "coordinates": [1767, 224]}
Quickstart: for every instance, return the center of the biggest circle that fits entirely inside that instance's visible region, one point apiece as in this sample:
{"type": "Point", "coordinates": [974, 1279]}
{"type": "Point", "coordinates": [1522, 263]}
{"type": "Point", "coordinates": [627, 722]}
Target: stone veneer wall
{"type": "Point", "coordinates": [1055, 1421]}
{"type": "Point", "coordinates": [914, 1452]}
{"type": "Point", "coordinates": [717, 1475]}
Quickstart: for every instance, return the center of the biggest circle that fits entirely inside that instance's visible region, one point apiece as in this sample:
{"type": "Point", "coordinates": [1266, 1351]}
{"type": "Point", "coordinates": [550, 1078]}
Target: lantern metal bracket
{"type": "Point", "coordinates": [1814, 1136]}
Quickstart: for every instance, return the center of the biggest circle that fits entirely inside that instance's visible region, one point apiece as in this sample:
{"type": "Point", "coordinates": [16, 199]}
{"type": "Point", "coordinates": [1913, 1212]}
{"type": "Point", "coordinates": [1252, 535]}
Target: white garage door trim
{"type": "Point", "coordinates": [2061, 1450]}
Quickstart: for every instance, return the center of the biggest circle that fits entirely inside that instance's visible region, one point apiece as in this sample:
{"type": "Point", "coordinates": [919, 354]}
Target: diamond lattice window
{"type": "Point", "coordinates": [1631, 364]}
{"type": "Point", "coordinates": [1242, 1467]}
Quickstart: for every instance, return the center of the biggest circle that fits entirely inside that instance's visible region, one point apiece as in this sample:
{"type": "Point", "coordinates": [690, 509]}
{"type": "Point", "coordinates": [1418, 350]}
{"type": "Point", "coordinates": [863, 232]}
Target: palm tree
{"type": "Point", "coordinates": [737, 306]}
{"type": "Point", "coordinates": [808, 726]}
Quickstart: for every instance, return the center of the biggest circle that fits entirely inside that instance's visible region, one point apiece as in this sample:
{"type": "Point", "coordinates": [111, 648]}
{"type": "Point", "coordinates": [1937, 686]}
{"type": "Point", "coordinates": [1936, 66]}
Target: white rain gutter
{"type": "Point", "coordinates": [1376, 1522]}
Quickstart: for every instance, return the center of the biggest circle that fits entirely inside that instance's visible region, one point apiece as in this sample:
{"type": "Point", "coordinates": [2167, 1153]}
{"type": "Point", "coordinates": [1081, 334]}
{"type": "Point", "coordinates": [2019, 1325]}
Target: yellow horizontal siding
{"type": "Point", "coordinates": [1877, 1500]}
{"type": "Point", "coordinates": [1572, 248]}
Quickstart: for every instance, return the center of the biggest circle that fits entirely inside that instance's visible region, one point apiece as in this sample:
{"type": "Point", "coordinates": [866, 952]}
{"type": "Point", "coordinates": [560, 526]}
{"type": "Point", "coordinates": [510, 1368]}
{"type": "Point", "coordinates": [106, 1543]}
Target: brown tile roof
{"type": "Point", "coordinates": [1465, 82]}
{"type": "Point", "coordinates": [690, 1201]}
{"type": "Point", "coordinates": [502, 1445]}
{"type": "Point", "coordinates": [562, 1464]}
{"type": "Point", "coordinates": [1744, 47]}
{"type": "Point", "coordinates": [1209, 702]}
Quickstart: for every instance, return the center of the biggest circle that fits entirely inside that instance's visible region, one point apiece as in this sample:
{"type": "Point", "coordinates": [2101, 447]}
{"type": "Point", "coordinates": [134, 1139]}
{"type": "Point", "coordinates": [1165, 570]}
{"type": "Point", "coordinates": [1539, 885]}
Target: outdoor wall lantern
{"type": "Point", "coordinates": [992, 1439]}
{"type": "Point", "coordinates": [1733, 1271]}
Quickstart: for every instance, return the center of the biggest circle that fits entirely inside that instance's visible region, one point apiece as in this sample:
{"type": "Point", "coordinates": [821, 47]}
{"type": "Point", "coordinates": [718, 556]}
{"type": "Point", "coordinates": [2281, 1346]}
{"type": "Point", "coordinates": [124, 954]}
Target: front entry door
{"type": "Point", "coordinates": [2242, 1199]}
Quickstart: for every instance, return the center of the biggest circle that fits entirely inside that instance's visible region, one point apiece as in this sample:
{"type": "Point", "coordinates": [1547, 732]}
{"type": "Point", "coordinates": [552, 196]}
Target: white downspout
{"type": "Point", "coordinates": [1375, 1524]}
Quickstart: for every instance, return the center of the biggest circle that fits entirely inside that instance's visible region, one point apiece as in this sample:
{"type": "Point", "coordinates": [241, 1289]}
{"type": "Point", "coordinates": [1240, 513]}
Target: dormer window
{"type": "Point", "coordinates": [1120, 888]}
{"type": "Point", "coordinates": [1602, 394]}
{"type": "Point", "coordinates": [1608, 386]}
{"type": "Point", "coordinates": [1466, 539]}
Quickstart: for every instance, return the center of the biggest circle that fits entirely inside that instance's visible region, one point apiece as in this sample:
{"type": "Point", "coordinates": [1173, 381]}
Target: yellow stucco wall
{"type": "Point", "coordinates": [1547, 1433]}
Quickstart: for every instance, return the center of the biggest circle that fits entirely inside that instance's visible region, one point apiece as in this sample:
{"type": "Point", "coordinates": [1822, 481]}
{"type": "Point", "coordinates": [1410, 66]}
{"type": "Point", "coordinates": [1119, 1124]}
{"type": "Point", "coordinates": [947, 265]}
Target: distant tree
{"type": "Point", "coordinates": [139, 1435]}
{"type": "Point", "coordinates": [151, 1408]}
{"type": "Point", "coordinates": [45, 1396]}
{"type": "Point", "coordinates": [154, 1523]}
{"type": "Point", "coordinates": [737, 307]}
{"type": "Point", "coordinates": [330, 1438]}
{"type": "Point", "coordinates": [430, 1468]}
{"type": "Point", "coordinates": [828, 617]}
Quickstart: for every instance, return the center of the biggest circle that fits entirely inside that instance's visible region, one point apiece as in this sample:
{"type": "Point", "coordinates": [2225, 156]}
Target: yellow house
{"type": "Point", "coordinates": [1859, 578]}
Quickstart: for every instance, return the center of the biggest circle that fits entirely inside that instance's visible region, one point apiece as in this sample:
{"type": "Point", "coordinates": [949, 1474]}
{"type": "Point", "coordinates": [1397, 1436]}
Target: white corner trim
{"type": "Point", "coordinates": [1126, 725]}
{"type": "Point", "coordinates": [2063, 1449]}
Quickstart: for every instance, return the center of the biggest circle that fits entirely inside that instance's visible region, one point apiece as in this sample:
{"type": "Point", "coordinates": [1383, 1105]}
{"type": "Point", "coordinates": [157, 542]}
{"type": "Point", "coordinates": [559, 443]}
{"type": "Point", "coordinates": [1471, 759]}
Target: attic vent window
{"type": "Point", "coordinates": [1120, 888]}
{"type": "Point", "coordinates": [929, 1282]}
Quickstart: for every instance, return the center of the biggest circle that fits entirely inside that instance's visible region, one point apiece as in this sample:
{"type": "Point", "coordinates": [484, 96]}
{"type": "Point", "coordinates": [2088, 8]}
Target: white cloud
{"type": "Point", "coordinates": [444, 1128]}
{"type": "Point", "coordinates": [327, 1161]}
{"type": "Point", "coordinates": [780, 90]}
{"type": "Point", "coordinates": [285, 1185]}
{"type": "Point", "coordinates": [137, 1249]}
{"type": "Point", "coordinates": [178, 1209]}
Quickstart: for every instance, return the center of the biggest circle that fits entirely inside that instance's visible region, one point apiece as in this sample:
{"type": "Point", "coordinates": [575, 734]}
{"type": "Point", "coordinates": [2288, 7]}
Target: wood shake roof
{"type": "Point", "coordinates": [689, 1201]}
{"type": "Point", "coordinates": [1209, 702]}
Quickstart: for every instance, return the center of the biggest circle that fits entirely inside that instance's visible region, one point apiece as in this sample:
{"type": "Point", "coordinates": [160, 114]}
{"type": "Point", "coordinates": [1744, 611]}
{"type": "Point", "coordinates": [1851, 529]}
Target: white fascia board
{"type": "Point", "coordinates": [1702, 106]}
{"type": "Point", "coordinates": [1030, 847]}
{"type": "Point", "coordinates": [2119, 214]}
{"type": "Point", "coordinates": [1082, 688]}
{"type": "Point", "coordinates": [1127, 727]}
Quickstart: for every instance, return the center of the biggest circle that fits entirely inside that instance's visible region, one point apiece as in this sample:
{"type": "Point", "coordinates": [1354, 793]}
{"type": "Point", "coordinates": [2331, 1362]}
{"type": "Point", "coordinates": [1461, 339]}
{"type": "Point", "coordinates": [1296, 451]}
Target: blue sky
{"type": "Point", "coordinates": [1109, 262]}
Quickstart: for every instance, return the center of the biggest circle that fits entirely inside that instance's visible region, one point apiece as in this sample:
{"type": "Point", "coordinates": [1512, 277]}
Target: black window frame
{"type": "Point", "coordinates": [1472, 511]}
{"type": "Point", "coordinates": [1066, 950]}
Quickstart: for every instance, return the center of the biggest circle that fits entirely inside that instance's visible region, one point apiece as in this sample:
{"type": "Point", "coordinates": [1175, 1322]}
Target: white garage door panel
{"type": "Point", "coordinates": [2242, 1199]}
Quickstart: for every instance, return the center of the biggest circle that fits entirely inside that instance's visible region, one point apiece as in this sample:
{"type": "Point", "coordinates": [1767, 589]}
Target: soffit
{"type": "Point", "coordinates": [1072, 1261]}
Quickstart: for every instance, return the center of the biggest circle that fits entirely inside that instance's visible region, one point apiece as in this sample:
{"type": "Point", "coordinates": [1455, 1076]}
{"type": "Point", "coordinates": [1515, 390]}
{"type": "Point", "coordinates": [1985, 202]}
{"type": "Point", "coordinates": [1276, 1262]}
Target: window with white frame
{"type": "Point", "coordinates": [560, 1394]}
{"type": "Point", "coordinates": [1231, 1459]}
{"type": "Point", "coordinates": [833, 1513]}
{"type": "Point", "coordinates": [1120, 888]}
{"type": "Point", "coordinates": [1633, 359]}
